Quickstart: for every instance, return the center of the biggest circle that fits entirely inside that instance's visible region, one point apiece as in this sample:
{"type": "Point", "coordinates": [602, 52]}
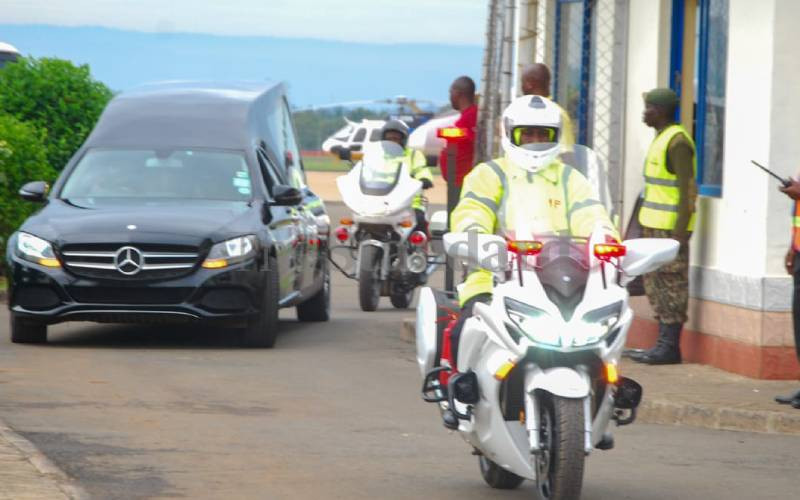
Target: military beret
{"type": "Point", "coordinates": [661, 97]}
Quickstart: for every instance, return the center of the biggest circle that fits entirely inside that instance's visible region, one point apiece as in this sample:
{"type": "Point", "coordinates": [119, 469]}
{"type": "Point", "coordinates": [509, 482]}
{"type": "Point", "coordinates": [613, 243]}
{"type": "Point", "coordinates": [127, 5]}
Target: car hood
{"type": "Point", "coordinates": [184, 222]}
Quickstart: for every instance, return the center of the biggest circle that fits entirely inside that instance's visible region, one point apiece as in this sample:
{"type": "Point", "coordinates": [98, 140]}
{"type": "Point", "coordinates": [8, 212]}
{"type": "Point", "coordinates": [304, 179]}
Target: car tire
{"type": "Point", "coordinates": [318, 307]}
{"type": "Point", "coordinates": [25, 331]}
{"type": "Point", "coordinates": [262, 330]}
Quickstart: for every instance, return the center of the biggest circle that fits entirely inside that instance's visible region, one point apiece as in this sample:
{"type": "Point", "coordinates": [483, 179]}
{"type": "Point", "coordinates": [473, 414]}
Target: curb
{"type": "Point", "coordinates": [50, 473]}
{"type": "Point", "coordinates": [663, 412]}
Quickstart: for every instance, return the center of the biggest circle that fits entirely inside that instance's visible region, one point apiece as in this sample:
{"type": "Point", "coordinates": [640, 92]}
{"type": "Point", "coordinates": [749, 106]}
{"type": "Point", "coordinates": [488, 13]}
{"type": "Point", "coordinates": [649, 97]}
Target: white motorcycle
{"type": "Point", "coordinates": [391, 258]}
{"type": "Point", "coordinates": [537, 381]}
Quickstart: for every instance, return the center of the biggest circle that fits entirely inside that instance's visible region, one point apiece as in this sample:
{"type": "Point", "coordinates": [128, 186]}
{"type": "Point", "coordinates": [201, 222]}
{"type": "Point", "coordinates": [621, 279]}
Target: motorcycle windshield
{"type": "Point", "coordinates": [380, 167]}
{"type": "Point", "coordinates": [581, 200]}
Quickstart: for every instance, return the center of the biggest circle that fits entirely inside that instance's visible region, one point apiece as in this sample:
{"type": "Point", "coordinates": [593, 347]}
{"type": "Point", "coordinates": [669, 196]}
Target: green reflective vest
{"type": "Point", "coordinates": [661, 193]}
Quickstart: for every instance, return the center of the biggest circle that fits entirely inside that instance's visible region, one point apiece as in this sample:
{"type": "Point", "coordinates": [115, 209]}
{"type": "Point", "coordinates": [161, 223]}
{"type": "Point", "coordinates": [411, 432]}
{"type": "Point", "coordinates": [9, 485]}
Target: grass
{"type": "Point", "coordinates": [325, 164]}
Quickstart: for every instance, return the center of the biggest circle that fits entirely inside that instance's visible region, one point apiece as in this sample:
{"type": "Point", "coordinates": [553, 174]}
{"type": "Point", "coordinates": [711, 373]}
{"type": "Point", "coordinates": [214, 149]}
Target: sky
{"type": "Point", "coordinates": [452, 22]}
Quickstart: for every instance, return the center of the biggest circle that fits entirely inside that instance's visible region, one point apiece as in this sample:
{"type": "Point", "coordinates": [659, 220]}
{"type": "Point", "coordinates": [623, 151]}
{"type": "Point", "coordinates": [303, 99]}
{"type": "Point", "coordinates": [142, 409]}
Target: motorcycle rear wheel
{"type": "Point", "coordinates": [559, 466]}
{"type": "Point", "coordinates": [496, 476]}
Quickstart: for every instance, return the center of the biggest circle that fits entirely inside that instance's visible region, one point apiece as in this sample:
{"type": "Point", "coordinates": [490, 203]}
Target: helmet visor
{"type": "Point", "coordinates": [531, 135]}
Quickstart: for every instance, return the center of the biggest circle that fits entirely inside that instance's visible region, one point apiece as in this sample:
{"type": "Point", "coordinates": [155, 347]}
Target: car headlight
{"type": "Point", "coordinates": [232, 251]}
{"type": "Point", "coordinates": [534, 323]}
{"type": "Point", "coordinates": [37, 250]}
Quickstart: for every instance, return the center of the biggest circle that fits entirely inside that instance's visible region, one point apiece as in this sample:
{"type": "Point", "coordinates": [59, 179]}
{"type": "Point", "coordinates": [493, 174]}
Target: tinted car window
{"type": "Point", "coordinates": [179, 173]}
{"type": "Point", "coordinates": [362, 132]}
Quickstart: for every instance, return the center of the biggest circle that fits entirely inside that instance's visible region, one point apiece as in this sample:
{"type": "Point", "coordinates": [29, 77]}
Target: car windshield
{"type": "Point", "coordinates": [174, 174]}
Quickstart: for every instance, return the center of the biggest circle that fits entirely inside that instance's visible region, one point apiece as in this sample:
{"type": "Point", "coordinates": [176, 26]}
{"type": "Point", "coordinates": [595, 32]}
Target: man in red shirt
{"type": "Point", "coordinates": [462, 98]}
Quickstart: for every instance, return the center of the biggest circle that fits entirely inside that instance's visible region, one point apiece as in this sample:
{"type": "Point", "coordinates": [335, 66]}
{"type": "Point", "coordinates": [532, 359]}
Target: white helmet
{"type": "Point", "coordinates": [531, 111]}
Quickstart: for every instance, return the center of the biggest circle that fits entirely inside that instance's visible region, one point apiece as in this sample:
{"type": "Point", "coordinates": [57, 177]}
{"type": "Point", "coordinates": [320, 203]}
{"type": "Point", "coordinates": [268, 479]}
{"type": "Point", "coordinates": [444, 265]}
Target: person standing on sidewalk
{"type": "Point", "coordinates": [462, 98]}
{"type": "Point", "coordinates": [793, 268]}
{"type": "Point", "coordinates": [536, 81]}
{"type": "Point", "coordinates": [668, 211]}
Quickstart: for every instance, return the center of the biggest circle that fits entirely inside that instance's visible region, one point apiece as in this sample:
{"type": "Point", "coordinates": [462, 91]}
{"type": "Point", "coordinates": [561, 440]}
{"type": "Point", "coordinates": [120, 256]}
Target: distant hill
{"type": "Point", "coordinates": [317, 71]}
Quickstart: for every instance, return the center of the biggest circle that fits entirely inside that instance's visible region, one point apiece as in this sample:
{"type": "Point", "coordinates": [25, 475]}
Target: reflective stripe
{"type": "Point", "coordinates": [500, 173]}
{"type": "Point", "coordinates": [660, 206]}
{"type": "Point", "coordinates": [660, 182]}
{"type": "Point", "coordinates": [796, 221]}
{"type": "Point", "coordinates": [490, 204]}
{"type": "Point", "coordinates": [473, 227]}
{"type": "Point", "coordinates": [583, 204]}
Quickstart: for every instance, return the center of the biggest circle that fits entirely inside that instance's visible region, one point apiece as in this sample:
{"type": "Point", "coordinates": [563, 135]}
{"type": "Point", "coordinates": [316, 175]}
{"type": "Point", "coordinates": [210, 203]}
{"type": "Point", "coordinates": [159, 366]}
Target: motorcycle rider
{"type": "Point", "coordinates": [397, 131]}
{"type": "Point", "coordinates": [529, 182]}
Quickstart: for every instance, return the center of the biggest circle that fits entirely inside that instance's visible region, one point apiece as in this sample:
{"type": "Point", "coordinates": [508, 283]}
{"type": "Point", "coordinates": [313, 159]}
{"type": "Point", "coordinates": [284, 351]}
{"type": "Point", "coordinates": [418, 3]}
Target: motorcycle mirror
{"type": "Point", "coordinates": [643, 255]}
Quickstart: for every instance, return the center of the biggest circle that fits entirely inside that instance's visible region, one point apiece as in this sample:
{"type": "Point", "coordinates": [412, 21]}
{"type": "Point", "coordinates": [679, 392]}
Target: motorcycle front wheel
{"type": "Point", "coordinates": [369, 292]}
{"type": "Point", "coordinates": [559, 465]}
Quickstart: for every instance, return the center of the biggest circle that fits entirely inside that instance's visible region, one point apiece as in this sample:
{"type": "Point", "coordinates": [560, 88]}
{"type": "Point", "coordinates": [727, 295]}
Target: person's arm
{"type": "Point", "coordinates": [419, 169]}
{"type": "Point", "coordinates": [792, 190]}
{"type": "Point", "coordinates": [585, 211]}
{"type": "Point", "coordinates": [478, 205]}
{"type": "Point", "coordinates": [680, 162]}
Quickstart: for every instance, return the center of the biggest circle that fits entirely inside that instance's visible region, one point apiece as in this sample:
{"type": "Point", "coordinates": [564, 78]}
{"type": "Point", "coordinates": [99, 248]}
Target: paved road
{"type": "Point", "coordinates": [331, 412]}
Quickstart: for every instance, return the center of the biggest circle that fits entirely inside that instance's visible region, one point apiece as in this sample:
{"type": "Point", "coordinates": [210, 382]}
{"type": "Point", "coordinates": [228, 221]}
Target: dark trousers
{"type": "Point", "coordinates": [796, 304]}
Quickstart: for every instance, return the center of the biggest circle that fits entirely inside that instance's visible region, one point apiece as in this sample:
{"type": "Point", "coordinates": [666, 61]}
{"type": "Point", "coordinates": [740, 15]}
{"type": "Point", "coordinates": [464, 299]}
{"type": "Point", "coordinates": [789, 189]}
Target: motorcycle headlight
{"type": "Point", "coordinates": [533, 322]}
{"type": "Point", "coordinates": [232, 251]}
{"type": "Point", "coordinates": [596, 324]}
{"type": "Point", "coordinates": [34, 249]}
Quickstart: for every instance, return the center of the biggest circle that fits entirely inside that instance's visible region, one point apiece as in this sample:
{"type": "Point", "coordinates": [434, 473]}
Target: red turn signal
{"type": "Point", "coordinates": [342, 234]}
{"type": "Point", "coordinates": [417, 238]}
{"type": "Point", "coordinates": [525, 247]}
{"type": "Point", "coordinates": [605, 251]}
{"type": "Point", "coordinates": [451, 133]}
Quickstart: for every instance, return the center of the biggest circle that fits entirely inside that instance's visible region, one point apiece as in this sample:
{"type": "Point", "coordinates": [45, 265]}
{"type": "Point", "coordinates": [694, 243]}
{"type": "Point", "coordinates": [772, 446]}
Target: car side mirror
{"type": "Point", "coordinates": [35, 191]}
{"type": "Point", "coordinates": [287, 195]}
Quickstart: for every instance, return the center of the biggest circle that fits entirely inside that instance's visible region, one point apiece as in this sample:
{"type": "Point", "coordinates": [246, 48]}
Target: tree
{"type": "Point", "coordinates": [23, 158]}
{"type": "Point", "coordinates": [57, 97]}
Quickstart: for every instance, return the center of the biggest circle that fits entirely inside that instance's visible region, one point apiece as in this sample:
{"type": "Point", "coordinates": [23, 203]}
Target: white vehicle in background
{"type": "Point", "coordinates": [8, 53]}
{"type": "Point", "coordinates": [353, 136]}
{"type": "Point", "coordinates": [424, 137]}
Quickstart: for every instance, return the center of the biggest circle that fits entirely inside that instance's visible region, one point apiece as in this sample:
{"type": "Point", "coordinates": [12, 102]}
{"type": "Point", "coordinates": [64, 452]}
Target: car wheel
{"type": "Point", "coordinates": [262, 330]}
{"type": "Point", "coordinates": [318, 307]}
{"type": "Point", "coordinates": [25, 331]}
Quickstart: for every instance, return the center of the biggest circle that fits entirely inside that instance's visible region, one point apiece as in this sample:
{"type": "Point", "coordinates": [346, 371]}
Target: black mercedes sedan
{"type": "Point", "coordinates": [187, 202]}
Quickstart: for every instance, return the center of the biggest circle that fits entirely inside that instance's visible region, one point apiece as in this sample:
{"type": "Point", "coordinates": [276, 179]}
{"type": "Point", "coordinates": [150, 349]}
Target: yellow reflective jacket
{"type": "Point", "coordinates": [661, 192]}
{"type": "Point", "coordinates": [418, 169]}
{"type": "Point", "coordinates": [500, 198]}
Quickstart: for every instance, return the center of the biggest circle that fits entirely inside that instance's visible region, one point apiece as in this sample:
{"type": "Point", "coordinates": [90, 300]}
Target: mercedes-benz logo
{"type": "Point", "coordinates": [128, 260]}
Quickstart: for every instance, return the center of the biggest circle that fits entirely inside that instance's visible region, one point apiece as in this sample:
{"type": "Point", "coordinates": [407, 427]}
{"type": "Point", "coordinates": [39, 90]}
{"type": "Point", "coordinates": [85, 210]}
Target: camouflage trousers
{"type": "Point", "coordinates": [667, 288]}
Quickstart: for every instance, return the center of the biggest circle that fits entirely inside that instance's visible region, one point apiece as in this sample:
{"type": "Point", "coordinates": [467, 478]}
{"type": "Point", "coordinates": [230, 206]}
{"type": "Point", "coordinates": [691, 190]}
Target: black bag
{"type": "Point", "coordinates": [634, 230]}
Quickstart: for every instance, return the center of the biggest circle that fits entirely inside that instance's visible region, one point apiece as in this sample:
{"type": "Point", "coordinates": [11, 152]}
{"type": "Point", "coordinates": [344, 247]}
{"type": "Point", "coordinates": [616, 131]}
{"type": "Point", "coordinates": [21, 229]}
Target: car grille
{"type": "Point", "coordinates": [125, 261]}
{"type": "Point", "coordinates": [130, 296]}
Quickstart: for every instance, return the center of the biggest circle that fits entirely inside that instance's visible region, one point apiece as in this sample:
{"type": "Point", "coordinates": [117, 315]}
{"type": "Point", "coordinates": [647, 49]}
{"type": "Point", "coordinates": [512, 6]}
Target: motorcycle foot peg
{"type": "Point", "coordinates": [449, 419]}
{"type": "Point", "coordinates": [607, 443]}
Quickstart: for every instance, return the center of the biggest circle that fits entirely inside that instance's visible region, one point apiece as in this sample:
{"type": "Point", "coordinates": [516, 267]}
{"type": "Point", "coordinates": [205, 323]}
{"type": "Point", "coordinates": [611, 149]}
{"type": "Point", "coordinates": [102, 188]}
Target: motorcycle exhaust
{"type": "Point", "coordinates": [417, 262]}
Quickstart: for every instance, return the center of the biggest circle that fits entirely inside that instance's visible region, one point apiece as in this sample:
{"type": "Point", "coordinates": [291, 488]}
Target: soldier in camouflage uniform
{"type": "Point", "coordinates": [668, 212]}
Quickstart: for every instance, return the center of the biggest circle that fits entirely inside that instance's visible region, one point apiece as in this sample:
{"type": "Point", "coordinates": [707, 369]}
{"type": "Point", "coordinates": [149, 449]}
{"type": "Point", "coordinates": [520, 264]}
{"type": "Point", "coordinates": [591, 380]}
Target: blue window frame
{"type": "Point", "coordinates": [711, 51]}
{"type": "Point", "coordinates": [573, 62]}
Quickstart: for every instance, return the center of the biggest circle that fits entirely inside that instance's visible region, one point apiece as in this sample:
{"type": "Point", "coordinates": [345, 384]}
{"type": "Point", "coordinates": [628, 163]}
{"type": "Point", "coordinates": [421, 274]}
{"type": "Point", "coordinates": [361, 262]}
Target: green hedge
{"type": "Point", "coordinates": [23, 158]}
{"type": "Point", "coordinates": [57, 97]}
